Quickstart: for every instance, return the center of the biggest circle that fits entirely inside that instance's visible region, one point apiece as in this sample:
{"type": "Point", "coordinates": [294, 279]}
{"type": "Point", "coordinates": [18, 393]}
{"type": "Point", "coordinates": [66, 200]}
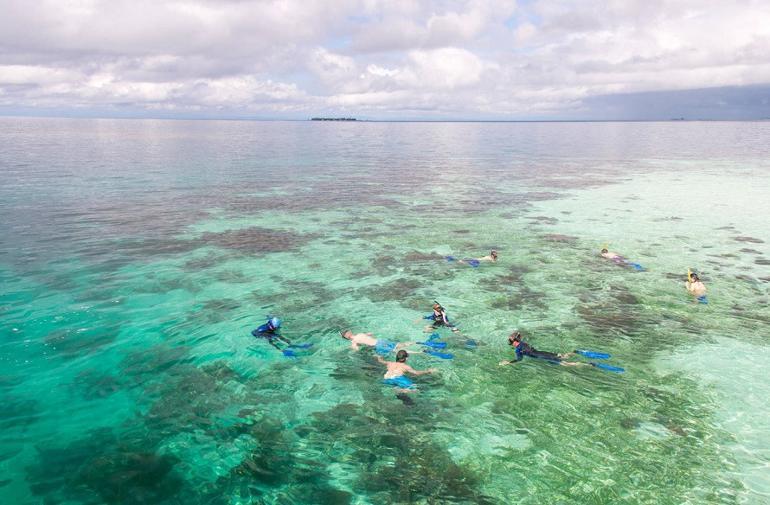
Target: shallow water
{"type": "Point", "coordinates": [138, 255]}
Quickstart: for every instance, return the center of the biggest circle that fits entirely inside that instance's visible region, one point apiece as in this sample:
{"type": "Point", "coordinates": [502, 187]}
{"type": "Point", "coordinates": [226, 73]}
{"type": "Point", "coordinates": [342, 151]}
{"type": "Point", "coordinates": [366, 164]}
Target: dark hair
{"type": "Point", "coordinates": [343, 333]}
{"type": "Point", "coordinates": [515, 336]}
{"type": "Point", "coordinates": [694, 276]}
{"type": "Point", "coordinates": [401, 356]}
{"type": "Point", "coordinates": [605, 250]}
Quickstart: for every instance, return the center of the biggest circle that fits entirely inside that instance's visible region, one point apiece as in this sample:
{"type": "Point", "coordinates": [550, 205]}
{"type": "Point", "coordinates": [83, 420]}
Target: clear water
{"type": "Point", "coordinates": [136, 257]}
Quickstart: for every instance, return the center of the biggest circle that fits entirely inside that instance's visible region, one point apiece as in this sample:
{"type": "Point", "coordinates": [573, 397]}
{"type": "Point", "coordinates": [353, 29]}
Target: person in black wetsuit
{"type": "Point", "coordinates": [269, 331]}
{"type": "Point", "coordinates": [524, 349]}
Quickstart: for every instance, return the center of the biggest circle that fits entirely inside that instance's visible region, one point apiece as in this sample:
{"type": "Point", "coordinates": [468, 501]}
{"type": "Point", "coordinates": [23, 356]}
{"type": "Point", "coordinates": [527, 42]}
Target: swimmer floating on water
{"type": "Point", "coordinates": [396, 370]}
{"type": "Point", "coordinates": [475, 262]}
{"type": "Point", "coordinates": [380, 346]}
{"type": "Point", "coordinates": [440, 318]}
{"type": "Point", "coordinates": [696, 287]}
{"type": "Point", "coordinates": [269, 331]}
{"type": "Point", "coordinates": [524, 349]}
{"type": "Point", "coordinates": [620, 260]}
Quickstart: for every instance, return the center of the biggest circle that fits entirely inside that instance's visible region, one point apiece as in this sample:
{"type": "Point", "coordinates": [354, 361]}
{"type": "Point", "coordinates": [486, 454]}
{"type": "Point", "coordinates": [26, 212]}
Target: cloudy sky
{"type": "Point", "coordinates": [386, 59]}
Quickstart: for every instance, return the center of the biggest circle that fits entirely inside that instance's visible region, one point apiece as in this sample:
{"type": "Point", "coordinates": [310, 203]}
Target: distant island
{"type": "Point", "coordinates": [333, 119]}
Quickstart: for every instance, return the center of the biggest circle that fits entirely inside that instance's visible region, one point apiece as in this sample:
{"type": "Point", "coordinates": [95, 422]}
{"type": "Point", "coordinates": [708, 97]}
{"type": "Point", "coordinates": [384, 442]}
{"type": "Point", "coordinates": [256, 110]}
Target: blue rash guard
{"type": "Point", "coordinates": [265, 331]}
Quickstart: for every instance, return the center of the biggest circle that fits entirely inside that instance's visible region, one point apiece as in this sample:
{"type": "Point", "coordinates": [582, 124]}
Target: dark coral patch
{"type": "Point", "coordinates": [421, 256]}
{"type": "Point", "coordinates": [559, 238]}
{"type": "Point", "coordinates": [71, 343]}
{"type": "Point", "coordinates": [102, 468]}
{"type": "Point", "coordinates": [396, 290]}
{"type": "Point", "coordinates": [256, 240]}
{"type": "Point", "coordinates": [95, 385]}
{"type": "Point", "coordinates": [543, 220]}
{"type": "Point", "coordinates": [750, 240]}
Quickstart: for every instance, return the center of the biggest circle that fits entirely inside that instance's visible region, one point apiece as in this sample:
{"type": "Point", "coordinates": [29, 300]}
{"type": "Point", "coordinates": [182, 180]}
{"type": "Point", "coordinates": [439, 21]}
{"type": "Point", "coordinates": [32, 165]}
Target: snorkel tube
{"type": "Point", "coordinates": [689, 275]}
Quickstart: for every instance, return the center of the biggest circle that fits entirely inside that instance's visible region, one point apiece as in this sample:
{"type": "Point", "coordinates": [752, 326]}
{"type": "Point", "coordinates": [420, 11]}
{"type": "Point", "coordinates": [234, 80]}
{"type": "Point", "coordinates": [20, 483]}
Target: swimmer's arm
{"type": "Point", "coordinates": [353, 346]}
{"type": "Point", "coordinates": [418, 372]}
{"type": "Point", "coordinates": [380, 360]}
{"type": "Point", "coordinates": [508, 362]}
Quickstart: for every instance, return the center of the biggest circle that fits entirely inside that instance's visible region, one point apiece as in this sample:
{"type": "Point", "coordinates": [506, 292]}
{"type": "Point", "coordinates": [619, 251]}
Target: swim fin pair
{"type": "Point", "coordinates": [472, 262]}
{"type": "Point", "coordinates": [433, 345]}
{"type": "Point", "coordinates": [592, 354]}
{"type": "Point", "coordinates": [442, 355]}
{"type": "Point", "coordinates": [289, 351]}
{"type": "Point", "coordinates": [600, 355]}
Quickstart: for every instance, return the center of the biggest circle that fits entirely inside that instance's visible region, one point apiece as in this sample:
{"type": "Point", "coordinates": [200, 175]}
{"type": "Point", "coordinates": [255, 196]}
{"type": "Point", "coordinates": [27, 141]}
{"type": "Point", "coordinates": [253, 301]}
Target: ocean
{"type": "Point", "coordinates": [138, 255]}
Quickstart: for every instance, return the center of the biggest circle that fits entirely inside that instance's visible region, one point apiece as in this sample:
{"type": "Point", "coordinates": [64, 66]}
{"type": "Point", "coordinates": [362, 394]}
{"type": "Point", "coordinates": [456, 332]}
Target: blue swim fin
{"type": "Point", "coordinates": [703, 299]}
{"type": "Point", "coordinates": [637, 266]}
{"type": "Point", "coordinates": [289, 353]}
{"type": "Point", "coordinates": [433, 345]}
{"type": "Point", "coordinates": [473, 263]}
{"type": "Point", "coordinates": [449, 258]}
{"type": "Point", "coordinates": [609, 368]}
{"type": "Point", "coordinates": [593, 354]}
{"type": "Point", "coordinates": [471, 344]}
{"type": "Point", "coordinates": [301, 346]}
{"type": "Point", "coordinates": [433, 336]}
{"type": "Point", "coordinates": [442, 355]}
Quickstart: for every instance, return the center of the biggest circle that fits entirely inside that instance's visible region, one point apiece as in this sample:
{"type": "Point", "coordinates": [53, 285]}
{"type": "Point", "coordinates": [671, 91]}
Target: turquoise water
{"type": "Point", "coordinates": [137, 256]}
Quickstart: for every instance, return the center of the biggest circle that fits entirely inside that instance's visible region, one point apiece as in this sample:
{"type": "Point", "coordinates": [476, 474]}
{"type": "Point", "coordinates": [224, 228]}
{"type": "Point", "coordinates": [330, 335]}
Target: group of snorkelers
{"type": "Point", "coordinates": [397, 370]}
{"type": "Point", "coordinates": [693, 284]}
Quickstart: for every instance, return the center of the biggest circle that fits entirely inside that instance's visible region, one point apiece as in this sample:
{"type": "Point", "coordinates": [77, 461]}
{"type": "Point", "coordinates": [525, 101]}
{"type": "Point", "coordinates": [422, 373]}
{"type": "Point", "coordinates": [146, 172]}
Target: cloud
{"type": "Point", "coordinates": [376, 58]}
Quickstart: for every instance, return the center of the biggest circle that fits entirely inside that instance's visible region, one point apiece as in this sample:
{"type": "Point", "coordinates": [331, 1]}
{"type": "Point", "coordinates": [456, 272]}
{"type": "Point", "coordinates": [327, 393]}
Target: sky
{"type": "Point", "coordinates": [387, 59]}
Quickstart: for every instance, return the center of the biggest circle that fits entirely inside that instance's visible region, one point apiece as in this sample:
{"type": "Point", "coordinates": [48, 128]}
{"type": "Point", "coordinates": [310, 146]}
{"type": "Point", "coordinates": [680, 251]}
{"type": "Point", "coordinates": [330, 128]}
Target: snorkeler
{"type": "Point", "coordinates": [381, 346]}
{"type": "Point", "coordinates": [440, 318]}
{"type": "Point", "coordinates": [396, 370]}
{"type": "Point", "coordinates": [524, 349]}
{"type": "Point", "coordinates": [620, 260]}
{"type": "Point", "coordinates": [696, 287]}
{"type": "Point", "coordinates": [269, 331]}
{"type": "Point", "coordinates": [474, 262]}
{"type": "Point", "coordinates": [492, 256]}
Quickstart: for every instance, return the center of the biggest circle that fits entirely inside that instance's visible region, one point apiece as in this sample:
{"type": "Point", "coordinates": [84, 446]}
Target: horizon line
{"type": "Point", "coordinates": [364, 120]}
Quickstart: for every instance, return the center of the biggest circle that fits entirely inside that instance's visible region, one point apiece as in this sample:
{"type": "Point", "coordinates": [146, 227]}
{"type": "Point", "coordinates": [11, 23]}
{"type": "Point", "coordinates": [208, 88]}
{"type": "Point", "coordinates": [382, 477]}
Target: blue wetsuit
{"type": "Point", "coordinates": [270, 333]}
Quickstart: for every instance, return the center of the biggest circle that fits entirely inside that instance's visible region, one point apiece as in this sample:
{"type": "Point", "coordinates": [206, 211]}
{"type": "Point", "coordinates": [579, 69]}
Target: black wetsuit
{"type": "Point", "coordinates": [524, 349]}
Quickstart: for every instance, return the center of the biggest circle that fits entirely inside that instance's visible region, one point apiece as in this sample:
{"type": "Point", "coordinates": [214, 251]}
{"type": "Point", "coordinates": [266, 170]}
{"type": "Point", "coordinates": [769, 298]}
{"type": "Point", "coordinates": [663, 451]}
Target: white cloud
{"type": "Point", "coordinates": [461, 57]}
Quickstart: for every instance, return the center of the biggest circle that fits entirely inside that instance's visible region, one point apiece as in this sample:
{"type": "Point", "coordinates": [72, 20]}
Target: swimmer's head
{"type": "Point", "coordinates": [274, 322]}
{"type": "Point", "coordinates": [694, 277]}
{"type": "Point", "coordinates": [494, 255]}
{"type": "Point", "coordinates": [604, 251]}
{"type": "Point", "coordinates": [346, 334]}
{"type": "Point", "coordinates": [401, 356]}
{"type": "Point", "coordinates": [514, 338]}
{"type": "Point", "coordinates": [437, 306]}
